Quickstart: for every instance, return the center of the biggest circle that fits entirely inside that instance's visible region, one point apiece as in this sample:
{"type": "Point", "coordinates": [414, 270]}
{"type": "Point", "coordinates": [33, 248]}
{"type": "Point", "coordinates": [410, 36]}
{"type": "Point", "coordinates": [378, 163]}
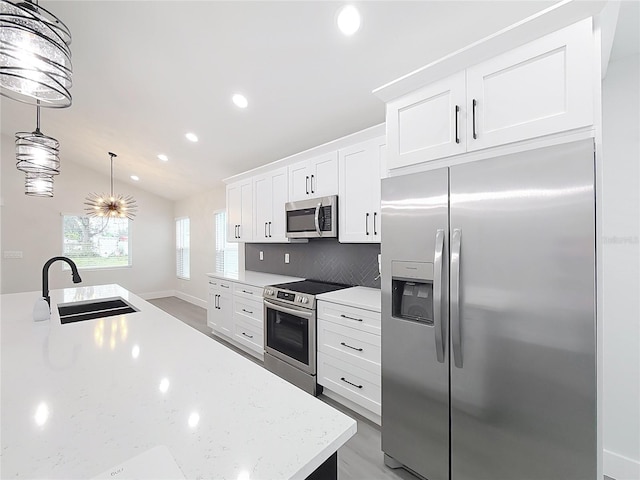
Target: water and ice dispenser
{"type": "Point", "coordinates": [412, 291]}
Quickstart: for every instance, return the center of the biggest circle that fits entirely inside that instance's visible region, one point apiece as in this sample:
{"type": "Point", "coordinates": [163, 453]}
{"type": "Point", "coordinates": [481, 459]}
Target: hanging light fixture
{"type": "Point", "coordinates": [111, 206]}
{"type": "Point", "coordinates": [35, 58]}
{"type": "Point", "coordinates": [38, 185]}
{"type": "Point", "coordinates": [37, 153]}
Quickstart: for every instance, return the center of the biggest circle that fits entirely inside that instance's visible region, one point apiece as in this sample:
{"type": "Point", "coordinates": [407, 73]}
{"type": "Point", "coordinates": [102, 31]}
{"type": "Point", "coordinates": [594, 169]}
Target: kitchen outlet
{"type": "Point", "coordinates": [286, 258]}
{"type": "Point", "coordinates": [12, 254]}
{"type": "Point", "coordinates": [261, 256]}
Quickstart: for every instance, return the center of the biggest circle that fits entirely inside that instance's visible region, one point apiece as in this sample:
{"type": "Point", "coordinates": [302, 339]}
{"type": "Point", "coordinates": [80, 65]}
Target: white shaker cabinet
{"type": "Point", "coordinates": [537, 89]}
{"type": "Point", "coordinates": [220, 307]}
{"type": "Point", "coordinates": [359, 199]}
{"type": "Point", "coordinates": [315, 177]}
{"type": "Point", "coordinates": [240, 211]}
{"type": "Point", "coordinates": [270, 192]}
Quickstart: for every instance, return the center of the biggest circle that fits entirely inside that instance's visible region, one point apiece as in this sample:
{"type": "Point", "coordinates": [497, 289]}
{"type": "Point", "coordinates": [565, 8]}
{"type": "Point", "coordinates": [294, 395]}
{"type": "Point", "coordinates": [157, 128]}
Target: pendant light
{"type": "Point", "coordinates": [111, 206]}
{"type": "Point", "coordinates": [38, 185]}
{"type": "Point", "coordinates": [37, 153]}
{"type": "Point", "coordinates": [35, 58]}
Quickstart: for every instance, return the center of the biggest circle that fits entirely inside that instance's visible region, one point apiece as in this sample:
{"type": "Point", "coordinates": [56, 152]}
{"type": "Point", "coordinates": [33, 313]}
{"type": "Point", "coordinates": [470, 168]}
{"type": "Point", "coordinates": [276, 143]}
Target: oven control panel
{"type": "Point", "coordinates": [290, 297]}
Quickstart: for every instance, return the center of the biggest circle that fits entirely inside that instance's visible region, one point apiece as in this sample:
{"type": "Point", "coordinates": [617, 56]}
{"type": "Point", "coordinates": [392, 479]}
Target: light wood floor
{"type": "Point", "coordinates": [360, 458]}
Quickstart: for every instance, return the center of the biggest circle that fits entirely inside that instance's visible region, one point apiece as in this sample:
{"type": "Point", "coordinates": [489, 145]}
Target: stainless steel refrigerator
{"type": "Point", "coordinates": [489, 318]}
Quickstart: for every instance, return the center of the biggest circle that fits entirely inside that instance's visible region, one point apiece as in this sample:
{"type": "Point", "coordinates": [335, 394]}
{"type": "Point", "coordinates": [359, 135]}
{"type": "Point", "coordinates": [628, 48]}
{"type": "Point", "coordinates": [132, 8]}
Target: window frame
{"type": "Point", "coordinates": [228, 246]}
{"type": "Point", "coordinates": [178, 274]}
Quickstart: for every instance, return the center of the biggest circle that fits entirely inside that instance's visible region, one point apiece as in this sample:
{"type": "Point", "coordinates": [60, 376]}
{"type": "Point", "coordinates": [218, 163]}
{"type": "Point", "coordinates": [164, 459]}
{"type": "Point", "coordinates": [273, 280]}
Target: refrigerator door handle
{"type": "Point", "coordinates": [437, 295]}
{"type": "Point", "coordinates": [455, 298]}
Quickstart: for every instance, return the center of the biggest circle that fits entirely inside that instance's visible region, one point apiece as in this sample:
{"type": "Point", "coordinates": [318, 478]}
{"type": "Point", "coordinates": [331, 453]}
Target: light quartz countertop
{"type": "Point", "coordinates": [80, 398]}
{"type": "Point", "coordinates": [257, 279]}
{"type": "Point", "coordinates": [359, 297]}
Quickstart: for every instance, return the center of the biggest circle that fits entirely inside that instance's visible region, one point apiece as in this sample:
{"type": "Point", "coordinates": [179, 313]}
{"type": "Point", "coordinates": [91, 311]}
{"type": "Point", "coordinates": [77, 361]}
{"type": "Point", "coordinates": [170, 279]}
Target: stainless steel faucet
{"type": "Point", "coordinates": [45, 275]}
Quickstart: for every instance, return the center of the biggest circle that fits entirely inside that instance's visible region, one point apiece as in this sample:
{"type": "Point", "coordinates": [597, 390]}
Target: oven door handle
{"type": "Point", "coordinates": [291, 311]}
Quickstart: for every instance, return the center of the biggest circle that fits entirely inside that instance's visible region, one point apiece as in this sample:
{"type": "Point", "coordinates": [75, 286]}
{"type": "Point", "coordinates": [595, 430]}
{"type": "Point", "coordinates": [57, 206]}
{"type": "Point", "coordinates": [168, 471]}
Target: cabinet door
{"type": "Point", "coordinates": [279, 196]}
{"type": "Point", "coordinates": [428, 123]}
{"type": "Point", "coordinates": [540, 88]}
{"type": "Point", "coordinates": [246, 212]}
{"type": "Point", "coordinates": [299, 179]}
{"type": "Point", "coordinates": [262, 207]}
{"type": "Point", "coordinates": [324, 175]}
{"type": "Point", "coordinates": [224, 320]}
{"type": "Point", "coordinates": [359, 201]}
{"type": "Point", "coordinates": [234, 211]}
{"type": "Point", "coordinates": [211, 308]}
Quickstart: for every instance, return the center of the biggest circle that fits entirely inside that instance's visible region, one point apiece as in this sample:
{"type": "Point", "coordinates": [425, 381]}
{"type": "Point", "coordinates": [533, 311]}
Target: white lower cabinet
{"type": "Point", "coordinates": [349, 346]}
{"type": "Point", "coordinates": [235, 313]}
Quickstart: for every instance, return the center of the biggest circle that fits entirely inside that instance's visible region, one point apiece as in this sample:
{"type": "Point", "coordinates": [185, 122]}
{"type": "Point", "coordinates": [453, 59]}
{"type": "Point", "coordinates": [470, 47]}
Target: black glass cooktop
{"type": "Point", "coordinates": [311, 287]}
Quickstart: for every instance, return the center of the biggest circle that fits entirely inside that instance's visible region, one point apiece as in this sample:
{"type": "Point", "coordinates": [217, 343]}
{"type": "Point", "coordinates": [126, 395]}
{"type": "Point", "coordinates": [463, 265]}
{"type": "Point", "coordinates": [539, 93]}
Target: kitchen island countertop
{"type": "Point", "coordinates": [80, 398]}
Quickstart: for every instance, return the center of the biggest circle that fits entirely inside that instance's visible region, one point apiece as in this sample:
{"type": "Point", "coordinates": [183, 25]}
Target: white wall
{"type": "Point", "coordinates": [621, 268]}
{"type": "Point", "coordinates": [200, 209]}
{"type": "Point", "coordinates": [33, 225]}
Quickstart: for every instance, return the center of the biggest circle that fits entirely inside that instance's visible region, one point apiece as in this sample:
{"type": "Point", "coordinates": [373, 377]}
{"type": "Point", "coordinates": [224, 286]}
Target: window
{"type": "Point", "coordinates": [226, 253]}
{"type": "Point", "coordinates": [182, 248]}
{"type": "Point", "coordinates": [96, 242]}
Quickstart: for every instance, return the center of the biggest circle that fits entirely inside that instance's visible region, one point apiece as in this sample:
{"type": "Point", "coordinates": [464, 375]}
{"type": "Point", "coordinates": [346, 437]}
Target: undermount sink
{"type": "Point", "coordinates": [92, 309]}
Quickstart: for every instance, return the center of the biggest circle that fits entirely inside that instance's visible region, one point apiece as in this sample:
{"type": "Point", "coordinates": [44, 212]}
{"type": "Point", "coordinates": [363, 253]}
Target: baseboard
{"type": "Point", "coordinates": [191, 299]}
{"type": "Point", "coordinates": [368, 414]}
{"type": "Point", "coordinates": [161, 294]}
{"type": "Point", "coordinates": [620, 467]}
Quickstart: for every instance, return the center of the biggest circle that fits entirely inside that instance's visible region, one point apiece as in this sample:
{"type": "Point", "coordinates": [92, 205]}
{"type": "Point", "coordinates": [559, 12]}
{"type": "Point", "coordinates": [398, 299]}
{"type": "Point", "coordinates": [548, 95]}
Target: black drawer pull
{"type": "Point", "coordinates": [211, 283]}
{"type": "Point", "coordinates": [347, 381]}
{"type": "Point", "coordinates": [224, 286]}
{"type": "Point", "coordinates": [349, 346]}
{"type": "Point", "coordinates": [244, 291]}
{"type": "Point", "coordinates": [248, 336]}
{"type": "Point", "coordinates": [247, 311]}
{"type": "Point", "coordinates": [351, 318]}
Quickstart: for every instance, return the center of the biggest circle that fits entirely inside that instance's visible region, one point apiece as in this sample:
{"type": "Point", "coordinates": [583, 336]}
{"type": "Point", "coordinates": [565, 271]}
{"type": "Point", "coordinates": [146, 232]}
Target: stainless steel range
{"type": "Point", "coordinates": [290, 331]}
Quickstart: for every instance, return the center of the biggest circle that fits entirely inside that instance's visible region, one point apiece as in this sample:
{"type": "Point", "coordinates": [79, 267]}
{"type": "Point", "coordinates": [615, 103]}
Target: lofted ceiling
{"type": "Point", "coordinates": [147, 72]}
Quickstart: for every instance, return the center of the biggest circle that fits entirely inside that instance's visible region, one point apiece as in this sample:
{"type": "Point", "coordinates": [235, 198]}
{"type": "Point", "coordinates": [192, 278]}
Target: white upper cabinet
{"type": "Point", "coordinates": [359, 199]}
{"type": "Point", "coordinates": [540, 88]}
{"type": "Point", "coordinates": [240, 211]}
{"type": "Point", "coordinates": [428, 123]}
{"type": "Point", "coordinates": [315, 177]}
{"type": "Point", "coordinates": [270, 192]}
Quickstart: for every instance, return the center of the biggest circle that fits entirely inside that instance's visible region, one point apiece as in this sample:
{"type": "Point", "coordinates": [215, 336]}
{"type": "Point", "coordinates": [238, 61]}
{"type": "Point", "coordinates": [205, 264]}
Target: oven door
{"type": "Point", "coordinates": [290, 335]}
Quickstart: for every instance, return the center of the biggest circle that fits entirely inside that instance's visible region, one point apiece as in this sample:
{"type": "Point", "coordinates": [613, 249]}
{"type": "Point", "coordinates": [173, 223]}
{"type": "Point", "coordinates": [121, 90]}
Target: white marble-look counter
{"type": "Point", "coordinates": [257, 279]}
{"type": "Point", "coordinates": [79, 398]}
{"type": "Point", "coordinates": [359, 297]}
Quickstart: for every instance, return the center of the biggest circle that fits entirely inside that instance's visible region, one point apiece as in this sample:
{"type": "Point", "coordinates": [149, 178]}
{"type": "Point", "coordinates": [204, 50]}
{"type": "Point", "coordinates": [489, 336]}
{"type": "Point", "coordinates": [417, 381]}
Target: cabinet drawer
{"type": "Point", "coordinates": [249, 336]}
{"type": "Point", "coordinates": [250, 312]}
{"type": "Point", "coordinates": [359, 348]}
{"type": "Point", "coordinates": [247, 291]}
{"type": "Point", "coordinates": [364, 320]}
{"type": "Point", "coordinates": [353, 383]}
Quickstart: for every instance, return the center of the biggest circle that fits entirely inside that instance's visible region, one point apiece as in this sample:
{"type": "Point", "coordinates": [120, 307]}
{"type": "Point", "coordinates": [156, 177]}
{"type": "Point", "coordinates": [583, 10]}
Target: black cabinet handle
{"type": "Point", "coordinates": [265, 229]}
{"type": "Point", "coordinates": [248, 336]}
{"type": "Point", "coordinates": [216, 303]}
{"type": "Point", "coordinates": [366, 223]}
{"type": "Point", "coordinates": [224, 286]}
{"type": "Point", "coordinates": [349, 346]}
{"type": "Point", "coordinates": [351, 318]}
{"type": "Point", "coordinates": [269, 229]}
{"type": "Point", "coordinates": [312, 191]}
{"type": "Point", "coordinates": [474, 103]}
{"type": "Point", "coordinates": [245, 291]}
{"type": "Point", "coordinates": [247, 311]}
{"type": "Point", "coordinates": [375, 231]}
{"type": "Point", "coordinates": [347, 381]}
{"type": "Point", "coordinates": [457, 112]}
{"type": "Point", "coordinates": [307, 184]}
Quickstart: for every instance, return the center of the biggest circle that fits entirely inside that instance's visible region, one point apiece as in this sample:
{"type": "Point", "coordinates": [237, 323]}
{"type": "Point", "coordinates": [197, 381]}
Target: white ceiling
{"type": "Point", "coordinates": [146, 72]}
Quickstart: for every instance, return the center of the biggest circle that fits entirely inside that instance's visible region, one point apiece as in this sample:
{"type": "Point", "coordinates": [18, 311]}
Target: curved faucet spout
{"type": "Point", "coordinates": [45, 275]}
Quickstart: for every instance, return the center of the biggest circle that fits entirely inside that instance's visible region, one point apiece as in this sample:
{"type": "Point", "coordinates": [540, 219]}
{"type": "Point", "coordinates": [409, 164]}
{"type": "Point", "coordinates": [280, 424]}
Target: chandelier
{"type": "Point", "coordinates": [35, 58]}
{"type": "Point", "coordinates": [37, 153]}
{"type": "Point", "coordinates": [111, 206]}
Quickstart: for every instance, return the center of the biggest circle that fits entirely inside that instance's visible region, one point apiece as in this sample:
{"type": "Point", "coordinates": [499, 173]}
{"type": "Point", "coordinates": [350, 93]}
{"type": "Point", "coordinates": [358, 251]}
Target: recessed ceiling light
{"type": "Point", "coordinates": [240, 100]}
{"type": "Point", "coordinates": [163, 157]}
{"type": "Point", "coordinates": [135, 177]}
{"type": "Point", "coordinates": [191, 137]}
{"type": "Point", "coordinates": [348, 20]}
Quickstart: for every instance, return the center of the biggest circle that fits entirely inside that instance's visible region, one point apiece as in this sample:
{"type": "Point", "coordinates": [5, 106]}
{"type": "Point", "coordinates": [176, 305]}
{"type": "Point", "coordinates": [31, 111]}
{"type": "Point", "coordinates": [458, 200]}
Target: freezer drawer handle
{"type": "Point", "coordinates": [455, 298]}
{"type": "Point", "coordinates": [248, 336]}
{"type": "Point", "coordinates": [351, 318]}
{"type": "Point", "coordinates": [349, 346]}
{"type": "Point", "coordinates": [347, 381]}
{"type": "Point", "coordinates": [437, 295]}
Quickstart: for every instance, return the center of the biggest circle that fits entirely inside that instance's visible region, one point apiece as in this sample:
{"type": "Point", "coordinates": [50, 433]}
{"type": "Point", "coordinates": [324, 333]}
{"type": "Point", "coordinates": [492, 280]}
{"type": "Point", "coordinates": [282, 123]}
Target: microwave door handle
{"type": "Point", "coordinates": [437, 295]}
{"type": "Point", "coordinates": [291, 311]}
{"type": "Point", "coordinates": [317, 219]}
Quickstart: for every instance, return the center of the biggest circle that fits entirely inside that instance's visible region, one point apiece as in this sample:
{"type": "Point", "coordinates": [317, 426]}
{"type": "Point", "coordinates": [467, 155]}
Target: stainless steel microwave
{"type": "Point", "coordinates": [313, 218]}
